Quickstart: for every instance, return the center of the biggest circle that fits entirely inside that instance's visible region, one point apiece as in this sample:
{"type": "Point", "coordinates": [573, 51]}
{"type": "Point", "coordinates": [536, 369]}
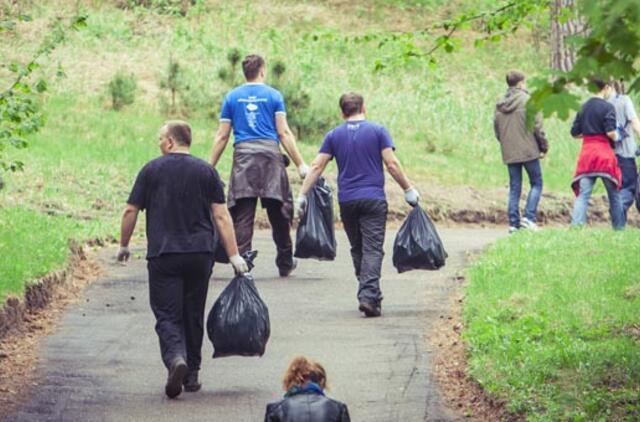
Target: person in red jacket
{"type": "Point", "coordinates": [596, 125]}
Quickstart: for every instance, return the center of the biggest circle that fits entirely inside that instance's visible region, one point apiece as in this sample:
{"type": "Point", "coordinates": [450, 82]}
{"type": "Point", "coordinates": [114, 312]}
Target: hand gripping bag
{"type": "Point", "coordinates": [315, 237]}
{"type": "Point", "coordinates": [238, 323]}
{"type": "Point", "coordinates": [417, 245]}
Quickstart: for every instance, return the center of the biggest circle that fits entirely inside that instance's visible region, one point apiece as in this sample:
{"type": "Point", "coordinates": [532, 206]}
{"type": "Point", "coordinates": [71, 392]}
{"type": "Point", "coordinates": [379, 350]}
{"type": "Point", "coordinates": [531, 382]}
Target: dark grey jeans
{"type": "Point", "coordinates": [365, 222]}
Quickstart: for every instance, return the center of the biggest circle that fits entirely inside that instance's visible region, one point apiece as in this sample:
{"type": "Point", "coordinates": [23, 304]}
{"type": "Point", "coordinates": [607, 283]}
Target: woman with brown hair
{"type": "Point", "coordinates": [304, 400]}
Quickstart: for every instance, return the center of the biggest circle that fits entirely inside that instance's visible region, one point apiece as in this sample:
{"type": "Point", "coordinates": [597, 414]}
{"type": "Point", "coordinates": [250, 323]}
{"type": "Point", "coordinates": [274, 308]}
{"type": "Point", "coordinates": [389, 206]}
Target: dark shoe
{"type": "Point", "coordinates": [370, 309]}
{"type": "Point", "coordinates": [286, 272]}
{"type": "Point", "coordinates": [191, 383]}
{"type": "Point", "coordinates": [177, 372]}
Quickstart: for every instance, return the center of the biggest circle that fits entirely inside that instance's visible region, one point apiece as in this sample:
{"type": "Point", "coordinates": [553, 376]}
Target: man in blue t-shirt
{"type": "Point", "coordinates": [360, 148]}
{"type": "Point", "coordinates": [256, 112]}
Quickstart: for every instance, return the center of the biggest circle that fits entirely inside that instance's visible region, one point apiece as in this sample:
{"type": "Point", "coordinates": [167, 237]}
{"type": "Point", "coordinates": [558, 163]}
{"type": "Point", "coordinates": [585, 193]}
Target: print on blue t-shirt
{"type": "Point", "coordinates": [251, 109]}
{"type": "Point", "coordinates": [357, 147]}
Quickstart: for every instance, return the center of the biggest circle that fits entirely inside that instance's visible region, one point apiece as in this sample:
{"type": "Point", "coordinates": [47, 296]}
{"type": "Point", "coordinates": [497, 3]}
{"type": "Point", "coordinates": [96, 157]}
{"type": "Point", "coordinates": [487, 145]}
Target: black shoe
{"type": "Point", "coordinates": [286, 272]}
{"type": "Point", "coordinates": [370, 309]}
{"type": "Point", "coordinates": [191, 383]}
{"type": "Point", "coordinates": [177, 372]}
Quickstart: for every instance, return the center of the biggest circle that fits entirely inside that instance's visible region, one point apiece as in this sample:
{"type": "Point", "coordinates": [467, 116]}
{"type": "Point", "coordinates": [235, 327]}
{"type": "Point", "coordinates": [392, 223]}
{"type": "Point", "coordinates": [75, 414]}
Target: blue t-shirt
{"type": "Point", "coordinates": [357, 147]}
{"type": "Point", "coordinates": [251, 109]}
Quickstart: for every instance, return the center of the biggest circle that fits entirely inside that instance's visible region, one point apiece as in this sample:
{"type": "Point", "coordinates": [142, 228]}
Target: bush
{"type": "Point", "coordinates": [187, 93]}
{"type": "Point", "coordinates": [122, 89]}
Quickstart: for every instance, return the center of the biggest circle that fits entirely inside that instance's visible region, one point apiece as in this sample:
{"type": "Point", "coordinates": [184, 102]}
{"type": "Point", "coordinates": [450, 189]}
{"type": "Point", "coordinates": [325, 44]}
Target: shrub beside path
{"type": "Point", "coordinates": [103, 363]}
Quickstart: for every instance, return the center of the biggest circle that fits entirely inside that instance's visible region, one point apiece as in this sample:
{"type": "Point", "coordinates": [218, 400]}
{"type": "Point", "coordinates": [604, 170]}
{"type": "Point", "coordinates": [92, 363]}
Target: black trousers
{"type": "Point", "coordinates": [243, 215]}
{"type": "Point", "coordinates": [365, 222]}
{"type": "Point", "coordinates": [178, 285]}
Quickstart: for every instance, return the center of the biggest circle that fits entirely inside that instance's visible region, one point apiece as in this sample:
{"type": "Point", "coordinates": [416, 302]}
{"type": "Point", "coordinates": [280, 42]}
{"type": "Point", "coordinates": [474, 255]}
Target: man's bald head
{"type": "Point", "coordinates": [179, 131]}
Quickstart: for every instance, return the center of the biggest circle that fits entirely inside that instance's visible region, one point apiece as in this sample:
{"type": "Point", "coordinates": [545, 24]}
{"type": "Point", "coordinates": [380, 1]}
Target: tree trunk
{"type": "Point", "coordinates": [563, 54]}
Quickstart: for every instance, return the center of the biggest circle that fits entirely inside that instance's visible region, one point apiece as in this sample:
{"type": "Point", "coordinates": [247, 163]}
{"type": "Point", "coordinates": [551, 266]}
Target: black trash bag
{"type": "Point", "coordinates": [417, 245]}
{"type": "Point", "coordinates": [238, 323]}
{"type": "Point", "coordinates": [315, 237]}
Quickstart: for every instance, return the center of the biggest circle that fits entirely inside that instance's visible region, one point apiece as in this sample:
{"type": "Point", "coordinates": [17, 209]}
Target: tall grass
{"type": "Point", "coordinates": [552, 324]}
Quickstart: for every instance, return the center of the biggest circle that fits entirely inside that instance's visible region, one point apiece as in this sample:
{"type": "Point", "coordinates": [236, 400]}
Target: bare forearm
{"type": "Point", "coordinates": [395, 170]}
{"type": "Point", "coordinates": [635, 124]}
{"type": "Point", "coordinates": [128, 225]}
{"type": "Point", "coordinates": [290, 146]}
{"type": "Point", "coordinates": [224, 225]}
{"type": "Point", "coordinates": [219, 145]}
{"type": "Point", "coordinates": [311, 179]}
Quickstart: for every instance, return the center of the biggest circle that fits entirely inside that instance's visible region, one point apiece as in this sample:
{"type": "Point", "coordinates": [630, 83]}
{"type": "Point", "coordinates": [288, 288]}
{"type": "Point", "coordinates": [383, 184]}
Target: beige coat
{"type": "Point", "coordinates": [518, 143]}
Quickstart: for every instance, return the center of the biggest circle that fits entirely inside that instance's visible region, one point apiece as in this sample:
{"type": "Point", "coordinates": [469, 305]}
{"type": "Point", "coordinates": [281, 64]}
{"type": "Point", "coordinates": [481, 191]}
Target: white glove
{"type": "Point", "coordinates": [412, 196]}
{"type": "Point", "coordinates": [239, 264]}
{"type": "Point", "coordinates": [303, 170]}
{"type": "Point", "coordinates": [301, 205]}
{"type": "Point", "coordinates": [123, 254]}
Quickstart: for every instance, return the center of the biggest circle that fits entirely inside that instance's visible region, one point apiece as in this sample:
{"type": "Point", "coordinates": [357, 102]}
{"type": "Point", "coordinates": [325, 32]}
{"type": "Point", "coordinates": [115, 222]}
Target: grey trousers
{"type": "Point", "coordinates": [365, 223]}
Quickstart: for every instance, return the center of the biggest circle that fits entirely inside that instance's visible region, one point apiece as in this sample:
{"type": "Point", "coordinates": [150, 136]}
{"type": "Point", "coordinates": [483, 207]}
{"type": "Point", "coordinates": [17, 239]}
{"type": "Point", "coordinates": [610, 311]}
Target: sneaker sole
{"type": "Point", "coordinates": [192, 388]}
{"type": "Point", "coordinates": [174, 383]}
{"type": "Point", "coordinates": [368, 311]}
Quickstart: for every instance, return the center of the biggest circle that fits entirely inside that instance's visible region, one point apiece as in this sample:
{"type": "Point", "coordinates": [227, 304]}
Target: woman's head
{"type": "Point", "coordinates": [302, 370]}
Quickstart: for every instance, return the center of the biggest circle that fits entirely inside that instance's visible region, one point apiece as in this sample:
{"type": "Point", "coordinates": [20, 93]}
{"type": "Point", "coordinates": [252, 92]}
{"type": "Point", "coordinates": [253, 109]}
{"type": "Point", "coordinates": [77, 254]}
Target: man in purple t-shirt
{"type": "Point", "coordinates": [360, 148]}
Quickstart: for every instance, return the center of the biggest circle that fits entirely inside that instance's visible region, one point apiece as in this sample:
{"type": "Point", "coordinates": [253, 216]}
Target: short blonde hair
{"type": "Point", "coordinates": [302, 370]}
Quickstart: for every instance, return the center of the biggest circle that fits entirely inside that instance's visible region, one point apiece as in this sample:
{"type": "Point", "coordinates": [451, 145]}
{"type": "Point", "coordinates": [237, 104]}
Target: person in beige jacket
{"type": "Point", "coordinates": [521, 148]}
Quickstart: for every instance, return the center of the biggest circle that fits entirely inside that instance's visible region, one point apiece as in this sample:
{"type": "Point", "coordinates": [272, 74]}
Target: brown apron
{"type": "Point", "coordinates": [259, 172]}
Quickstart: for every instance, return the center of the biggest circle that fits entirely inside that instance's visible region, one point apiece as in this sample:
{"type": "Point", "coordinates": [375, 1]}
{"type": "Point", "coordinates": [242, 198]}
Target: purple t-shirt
{"type": "Point", "coordinates": [357, 147]}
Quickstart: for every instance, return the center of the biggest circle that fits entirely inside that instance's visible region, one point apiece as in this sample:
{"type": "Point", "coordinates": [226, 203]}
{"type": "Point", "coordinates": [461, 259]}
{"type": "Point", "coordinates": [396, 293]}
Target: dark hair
{"type": "Point", "coordinates": [514, 77]}
{"type": "Point", "coordinates": [619, 87]}
{"type": "Point", "coordinates": [179, 131]}
{"type": "Point", "coordinates": [351, 103]}
{"type": "Point", "coordinates": [251, 66]}
{"type": "Point", "coordinates": [599, 83]}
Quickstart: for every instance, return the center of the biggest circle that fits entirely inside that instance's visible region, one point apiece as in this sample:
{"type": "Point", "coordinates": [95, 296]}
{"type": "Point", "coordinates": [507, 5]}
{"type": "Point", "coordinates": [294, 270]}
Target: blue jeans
{"type": "Point", "coordinates": [515, 190]}
{"type": "Point", "coordinates": [629, 179]}
{"type": "Point", "coordinates": [579, 214]}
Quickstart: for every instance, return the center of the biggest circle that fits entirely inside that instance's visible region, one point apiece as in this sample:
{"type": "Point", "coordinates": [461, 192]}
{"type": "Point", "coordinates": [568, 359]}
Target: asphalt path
{"type": "Point", "coordinates": [103, 362]}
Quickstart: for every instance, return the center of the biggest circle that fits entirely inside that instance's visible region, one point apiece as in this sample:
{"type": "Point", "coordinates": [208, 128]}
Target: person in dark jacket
{"type": "Point", "coordinates": [521, 148]}
{"type": "Point", "coordinates": [596, 124]}
{"type": "Point", "coordinates": [305, 401]}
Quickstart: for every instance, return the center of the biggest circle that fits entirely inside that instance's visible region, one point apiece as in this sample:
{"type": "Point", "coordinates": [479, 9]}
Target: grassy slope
{"type": "Point", "coordinates": [552, 324]}
{"type": "Point", "coordinates": [83, 162]}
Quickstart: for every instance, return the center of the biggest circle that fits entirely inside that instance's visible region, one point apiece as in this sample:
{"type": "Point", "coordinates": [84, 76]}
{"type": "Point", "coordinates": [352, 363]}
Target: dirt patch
{"type": "Point", "coordinates": [461, 392]}
{"type": "Point", "coordinates": [24, 323]}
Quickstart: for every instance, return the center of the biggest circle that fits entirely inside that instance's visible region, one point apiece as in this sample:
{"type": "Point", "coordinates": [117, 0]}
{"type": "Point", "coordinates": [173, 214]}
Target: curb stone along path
{"type": "Point", "coordinates": [103, 364]}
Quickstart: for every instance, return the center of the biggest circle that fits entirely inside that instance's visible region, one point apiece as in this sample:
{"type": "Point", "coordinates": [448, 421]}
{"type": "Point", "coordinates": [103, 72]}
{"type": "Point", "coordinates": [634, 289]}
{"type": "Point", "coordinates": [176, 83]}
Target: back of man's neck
{"type": "Point", "coordinates": [180, 151]}
{"type": "Point", "coordinates": [356, 117]}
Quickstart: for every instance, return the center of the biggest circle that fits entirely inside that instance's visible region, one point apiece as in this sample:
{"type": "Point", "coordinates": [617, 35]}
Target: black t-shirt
{"type": "Point", "coordinates": [177, 191]}
{"type": "Point", "coordinates": [597, 117]}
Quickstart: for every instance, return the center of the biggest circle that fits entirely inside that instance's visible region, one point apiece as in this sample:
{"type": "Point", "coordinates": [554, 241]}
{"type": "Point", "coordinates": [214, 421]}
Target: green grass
{"type": "Point", "coordinates": [33, 244]}
{"type": "Point", "coordinates": [552, 323]}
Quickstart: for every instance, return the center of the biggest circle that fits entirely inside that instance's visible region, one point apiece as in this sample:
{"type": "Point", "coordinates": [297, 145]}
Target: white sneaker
{"type": "Point", "coordinates": [529, 225]}
{"type": "Point", "coordinates": [513, 229]}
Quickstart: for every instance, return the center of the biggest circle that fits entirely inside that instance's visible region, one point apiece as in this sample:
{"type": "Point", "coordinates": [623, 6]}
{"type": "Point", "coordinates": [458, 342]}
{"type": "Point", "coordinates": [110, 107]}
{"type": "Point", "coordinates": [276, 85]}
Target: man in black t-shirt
{"type": "Point", "coordinates": [184, 198]}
